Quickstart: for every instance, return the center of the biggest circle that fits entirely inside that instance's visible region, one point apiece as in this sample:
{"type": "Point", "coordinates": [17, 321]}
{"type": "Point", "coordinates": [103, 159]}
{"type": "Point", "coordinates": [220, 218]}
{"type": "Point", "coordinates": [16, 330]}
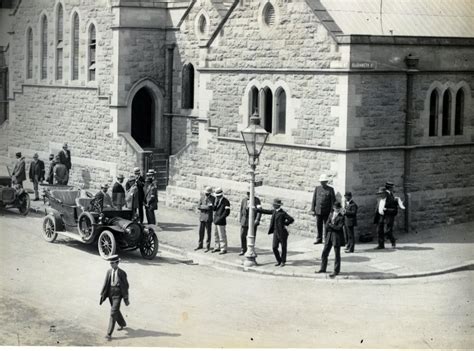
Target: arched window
{"type": "Point", "coordinates": [187, 88]}
{"type": "Point", "coordinates": [446, 121]}
{"type": "Point", "coordinates": [59, 42]}
{"type": "Point", "coordinates": [269, 14]}
{"type": "Point", "coordinates": [253, 101]}
{"type": "Point", "coordinates": [267, 108]}
{"type": "Point", "coordinates": [433, 127]}
{"type": "Point", "coordinates": [29, 53]}
{"type": "Point", "coordinates": [281, 112]}
{"type": "Point", "coordinates": [44, 47]}
{"type": "Point", "coordinates": [92, 51]}
{"type": "Point", "coordinates": [459, 113]}
{"type": "Point", "coordinates": [75, 47]}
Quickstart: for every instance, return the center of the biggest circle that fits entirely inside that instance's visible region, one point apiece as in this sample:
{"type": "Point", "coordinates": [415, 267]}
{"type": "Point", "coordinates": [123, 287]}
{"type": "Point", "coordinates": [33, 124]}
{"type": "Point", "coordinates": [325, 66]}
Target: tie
{"type": "Point", "coordinates": [114, 279]}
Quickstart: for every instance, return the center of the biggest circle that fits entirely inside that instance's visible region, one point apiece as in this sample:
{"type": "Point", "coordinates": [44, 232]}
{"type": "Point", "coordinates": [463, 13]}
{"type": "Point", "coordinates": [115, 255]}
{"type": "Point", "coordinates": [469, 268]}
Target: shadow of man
{"type": "Point", "coordinates": [143, 333]}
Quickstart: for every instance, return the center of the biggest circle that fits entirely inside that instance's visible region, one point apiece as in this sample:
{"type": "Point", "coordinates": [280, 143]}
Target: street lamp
{"type": "Point", "coordinates": [254, 138]}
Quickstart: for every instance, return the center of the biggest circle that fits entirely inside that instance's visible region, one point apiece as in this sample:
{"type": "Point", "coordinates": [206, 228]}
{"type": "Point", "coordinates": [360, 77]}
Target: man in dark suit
{"type": "Point", "coordinates": [118, 193]}
{"type": "Point", "coordinates": [205, 208]}
{"type": "Point", "coordinates": [36, 174]}
{"type": "Point", "coordinates": [280, 219]}
{"type": "Point", "coordinates": [334, 238]}
{"type": "Point", "coordinates": [101, 200]}
{"type": "Point", "coordinates": [323, 200]}
{"type": "Point", "coordinates": [151, 199]}
{"type": "Point", "coordinates": [65, 158]}
{"type": "Point", "coordinates": [140, 182]}
{"type": "Point", "coordinates": [385, 213]}
{"type": "Point", "coordinates": [350, 221]}
{"type": "Point", "coordinates": [115, 289]}
{"type": "Point", "coordinates": [221, 212]}
{"type": "Point", "coordinates": [244, 220]}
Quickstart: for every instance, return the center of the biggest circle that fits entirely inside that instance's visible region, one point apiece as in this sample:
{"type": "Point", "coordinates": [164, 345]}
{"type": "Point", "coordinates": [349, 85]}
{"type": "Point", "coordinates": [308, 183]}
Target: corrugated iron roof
{"type": "Point", "coordinates": [433, 18]}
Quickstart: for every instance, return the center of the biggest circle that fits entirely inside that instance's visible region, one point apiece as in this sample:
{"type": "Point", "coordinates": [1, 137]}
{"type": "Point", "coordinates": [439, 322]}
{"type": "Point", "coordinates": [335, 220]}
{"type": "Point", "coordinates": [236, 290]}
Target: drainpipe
{"type": "Point", "coordinates": [412, 67]}
{"type": "Point", "coordinates": [170, 52]}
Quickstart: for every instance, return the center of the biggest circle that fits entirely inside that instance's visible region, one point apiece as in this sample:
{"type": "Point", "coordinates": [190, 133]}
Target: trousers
{"type": "Point", "coordinates": [220, 238]}
{"type": "Point", "coordinates": [321, 221]}
{"type": "Point", "coordinates": [350, 238]}
{"type": "Point", "coordinates": [324, 256]}
{"type": "Point", "coordinates": [243, 236]}
{"type": "Point", "coordinates": [277, 241]}
{"type": "Point", "coordinates": [205, 226]}
{"type": "Point", "coordinates": [36, 186]}
{"type": "Point", "coordinates": [385, 228]}
{"type": "Point", "coordinates": [115, 298]}
{"type": "Point", "coordinates": [150, 216]}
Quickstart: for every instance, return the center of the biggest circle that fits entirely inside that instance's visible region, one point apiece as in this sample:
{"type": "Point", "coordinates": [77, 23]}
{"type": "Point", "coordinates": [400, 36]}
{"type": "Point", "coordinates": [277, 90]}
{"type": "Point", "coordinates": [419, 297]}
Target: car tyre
{"type": "Point", "coordinates": [49, 228]}
{"type": "Point", "coordinates": [85, 226]}
{"type": "Point", "coordinates": [106, 244]}
{"type": "Point", "coordinates": [149, 246]}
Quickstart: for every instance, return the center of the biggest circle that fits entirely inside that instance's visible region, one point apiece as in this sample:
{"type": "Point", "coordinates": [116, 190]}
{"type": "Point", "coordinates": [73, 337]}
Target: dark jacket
{"type": "Point", "coordinates": [140, 181]}
{"type": "Point", "coordinates": [19, 171]}
{"type": "Point", "coordinates": [151, 196]}
{"type": "Point", "coordinates": [221, 210]}
{"type": "Point", "coordinates": [280, 219]}
{"type": "Point", "coordinates": [244, 211]}
{"type": "Point", "coordinates": [123, 284]}
{"type": "Point", "coordinates": [206, 204]}
{"type": "Point", "coordinates": [323, 200]}
{"type": "Point", "coordinates": [118, 195]}
{"type": "Point", "coordinates": [37, 170]}
{"type": "Point", "coordinates": [391, 208]}
{"type": "Point", "coordinates": [50, 178]}
{"type": "Point", "coordinates": [61, 175]}
{"type": "Point", "coordinates": [65, 158]}
{"type": "Point", "coordinates": [335, 231]}
{"type": "Point", "coordinates": [100, 202]}
{"type": "Point", "coordinates": [350, 215]}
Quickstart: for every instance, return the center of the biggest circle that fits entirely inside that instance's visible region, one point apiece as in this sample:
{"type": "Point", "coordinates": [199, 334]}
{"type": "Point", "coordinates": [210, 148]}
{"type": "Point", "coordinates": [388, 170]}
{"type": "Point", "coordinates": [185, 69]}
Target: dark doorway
{"type": "Point", "coordinates": [143, 117]}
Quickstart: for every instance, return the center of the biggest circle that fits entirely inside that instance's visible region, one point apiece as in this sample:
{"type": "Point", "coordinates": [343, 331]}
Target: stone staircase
{"type": "Point", "coordinates": [159, 162]}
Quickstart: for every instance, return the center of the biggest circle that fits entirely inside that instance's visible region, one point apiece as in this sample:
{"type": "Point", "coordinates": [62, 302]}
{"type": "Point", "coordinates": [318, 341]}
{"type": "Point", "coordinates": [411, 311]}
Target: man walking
{"type": "Point", "coordinates": [151, 198]}
{"type": "Point", "coordinates": [65, 159]}
{"type": "Point", "coordinates": [19, 172]}
{"type": "Point", "coordinates": [115, 289]}
{"type": "Point", "coordinates": [61, 174]}
{"type": "Point", "coordinates": [323, 200]}
{"type": "Point", "coordinates": [221, 212]}
{"type": "Point", "coordinates": [36, 174]}
{"type": "Point", "coordinates": [385, 212]}
{"type": "Point", "coordinates": [350, 221]}
{"type": "Point", "coordinates": [334, 238]}
{"type": "Point", "coordinates": [118, 193]}
{"type": "Point", "coordinates": [205, 208]}
{"type": "Point", "coordinates": [280, 219]}
{"type": "Point", "coordinates": [244, 220]}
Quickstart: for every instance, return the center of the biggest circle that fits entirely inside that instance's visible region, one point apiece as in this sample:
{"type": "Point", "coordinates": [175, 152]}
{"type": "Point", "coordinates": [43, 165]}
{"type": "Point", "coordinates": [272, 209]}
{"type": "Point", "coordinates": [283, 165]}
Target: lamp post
{"type": "Point", "coordinates": [254, 138]}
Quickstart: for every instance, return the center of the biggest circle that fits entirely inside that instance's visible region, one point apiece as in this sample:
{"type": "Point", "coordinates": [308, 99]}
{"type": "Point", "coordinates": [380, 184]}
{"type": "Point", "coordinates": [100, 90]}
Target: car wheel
{"type": "Point", "coordinates": [24, 203]}
{"type": "Point", "coordinates": [49, 228]}
{"type": "Point", "coordinates": [149, 246]}
{"type": "Point", "coordinates": [106, 244]}
{"type": "Point", "coordinates": [85, 226]}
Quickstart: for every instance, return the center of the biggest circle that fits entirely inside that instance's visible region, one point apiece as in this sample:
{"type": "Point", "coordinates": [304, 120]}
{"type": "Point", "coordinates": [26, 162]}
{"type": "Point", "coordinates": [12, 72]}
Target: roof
{"type": "Point", "coordinates": [421, 18]}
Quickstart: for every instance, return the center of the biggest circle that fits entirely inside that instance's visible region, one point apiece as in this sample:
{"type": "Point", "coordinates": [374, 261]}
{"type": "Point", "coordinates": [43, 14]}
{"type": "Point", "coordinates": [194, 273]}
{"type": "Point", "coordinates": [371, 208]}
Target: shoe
{"type": "Point", "coordinates": [222, 252]}
{"type": "Point", "coordinates": [282, 264]}
{"type": "Point", "coordinates": [277, 264]}
{"type": "Point", "coordinates": [198, 248]}
{"type": "Point", "coordinates": [394, 243]}
{"type": "Point", "coordinates": [208, 249]}
{"type": "Point", "coordinates": [320, 271]}
{"type": "Point", "coordinates": [121, 327]}
{"type": "Point", "coordinates": [242, 253]}
{"type": "Point", "coordinates": [215, 250]}
{"type": "Point", "coordinates": [379, 247]}
{"type": "Point", "coordinates": [333, 274]}
{"type": "Point", "coordinates": [108, 337]}
{"type": "Point", "coordinates": [319, 241]}
{"type": "Point", "coordinates": [348, 251]}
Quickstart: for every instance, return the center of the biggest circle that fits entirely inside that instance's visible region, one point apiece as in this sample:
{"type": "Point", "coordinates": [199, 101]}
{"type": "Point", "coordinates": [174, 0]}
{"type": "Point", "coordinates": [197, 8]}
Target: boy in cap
{"type": "Point", "coordinates": [115, 288]}
{"type": "Point", "coordinates": [334, 238]}
{"type": "Point", "coordinates": [323, 199]}
{"type": "Point", "coordinates": [36, 174]}
{"type": "Point", "coordinates": [350, 221]}
{"type": "Point", "coordinates": [118, 193]}
{"type": "Point", "coordinates": [221, 212]}
{"type": "Point", "coordinates": [205, 208]}
{"type": "Point", "coordinates": [19, 172]}
{"type": "Point", "coordinates": [280, 219]}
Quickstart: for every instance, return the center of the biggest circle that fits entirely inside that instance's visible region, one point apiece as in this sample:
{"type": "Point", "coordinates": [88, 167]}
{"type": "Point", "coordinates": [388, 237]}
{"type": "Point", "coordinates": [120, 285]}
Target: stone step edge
{"type": "Point", "coordinates": [217, 263]}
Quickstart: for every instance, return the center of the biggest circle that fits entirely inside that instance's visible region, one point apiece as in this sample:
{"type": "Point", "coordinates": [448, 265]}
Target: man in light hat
{"type": "Point", "coordinates": [384, 216]}
{"type": "Point", "coordinates": [65, 158]}
{"type": "Point", "coordinates": [19, 170]}
{"type": "Point", "coordinates": [118, 193]}
{"type": "Point", "coordinates": [115, 288]}
{"type": "Point", "coordinates": [221, 212]}
{"type": "Point", "coordinates": [323, 200]}
{"type": "Point", "coordinates": [36, 174]}
{"type": "Point", "coordinates": [280, 219]}
{"type": "Point", "coordinates": [205, 208]}
{"type": "Point", "coordinates": [151, 197]}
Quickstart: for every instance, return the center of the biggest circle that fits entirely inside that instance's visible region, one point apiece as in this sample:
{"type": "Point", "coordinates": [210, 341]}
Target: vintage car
{"type": "Point", "coordinates": [113, 230]}
{"type": "Point", "coordinates": [12, 195]}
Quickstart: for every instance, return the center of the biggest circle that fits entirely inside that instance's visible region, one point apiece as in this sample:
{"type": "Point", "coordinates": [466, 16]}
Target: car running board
{"type": "Point", "coordinates": [72, 236]}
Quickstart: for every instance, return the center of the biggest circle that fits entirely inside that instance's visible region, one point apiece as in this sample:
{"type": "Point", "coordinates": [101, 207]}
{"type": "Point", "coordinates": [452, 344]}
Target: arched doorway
{"type": "Point", "coordinates": [143, 118]}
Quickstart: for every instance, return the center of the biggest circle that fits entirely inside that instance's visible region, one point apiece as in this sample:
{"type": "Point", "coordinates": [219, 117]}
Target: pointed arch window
{"type": "Point", "coordinates": [267, 108]}
{"type": "Point", "coordinates": [29, 53]}
{"type": "Point", "coordinates": [75, 47]}
{"type": "Point", "coordinates": [281, 112]}
{"type": "Point", "coordinates": [187, 88]}
{"type": "Point", "coordinates": [44, 47]}
{"type": "Point", "coordinates": [59, 42]}
{"type": "Point", "coordinates": [446, 120]}
{"type": "Point", "coordinates": [92, 53]}
{"type": "Point", "coordinates": [459, 113]}
{"type": "Point", "coordinates": [253, 101]}
{"type": "Point", "coordinates": [433, 124]}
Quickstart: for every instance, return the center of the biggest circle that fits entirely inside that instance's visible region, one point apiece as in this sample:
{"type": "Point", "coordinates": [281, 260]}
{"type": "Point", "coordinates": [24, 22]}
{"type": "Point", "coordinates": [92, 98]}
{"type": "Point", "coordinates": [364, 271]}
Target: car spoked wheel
{"type": "Point", "coordinates": [106, 244]}
{"type": "Point", "coordinates": [149, 246]}
{"type": "Point", "coordinates": [24, 204]}
{"type": "Point", "coordinates": [49, 229]}
{"type": "Point", "coordinates": [85, 226]}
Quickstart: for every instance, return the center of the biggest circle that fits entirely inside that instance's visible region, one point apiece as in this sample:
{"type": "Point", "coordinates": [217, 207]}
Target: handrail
{"type": "Point", "coordinates": [142, 155]}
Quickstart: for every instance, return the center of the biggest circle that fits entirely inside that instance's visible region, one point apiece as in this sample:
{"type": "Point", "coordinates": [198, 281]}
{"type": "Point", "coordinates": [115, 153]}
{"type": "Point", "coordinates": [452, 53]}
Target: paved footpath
{"type": "Point", "coordinates": [431, 252]}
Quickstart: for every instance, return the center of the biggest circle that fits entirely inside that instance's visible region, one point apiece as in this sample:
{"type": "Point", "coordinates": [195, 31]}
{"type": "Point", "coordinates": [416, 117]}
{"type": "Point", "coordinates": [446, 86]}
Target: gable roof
{"type": "Point", "coordinates": [420, 18]}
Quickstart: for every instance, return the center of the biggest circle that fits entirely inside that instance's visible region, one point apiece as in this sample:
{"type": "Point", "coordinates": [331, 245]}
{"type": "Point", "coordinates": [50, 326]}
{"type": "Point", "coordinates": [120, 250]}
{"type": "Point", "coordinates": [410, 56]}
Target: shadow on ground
{"type": "Point", "coordinates": [143, 333]}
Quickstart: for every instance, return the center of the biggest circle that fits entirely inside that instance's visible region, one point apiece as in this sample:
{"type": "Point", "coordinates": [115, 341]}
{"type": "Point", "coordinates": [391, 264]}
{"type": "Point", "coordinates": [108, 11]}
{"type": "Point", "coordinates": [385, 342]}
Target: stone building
{"type": "Point", "coordinates": [365, 91]}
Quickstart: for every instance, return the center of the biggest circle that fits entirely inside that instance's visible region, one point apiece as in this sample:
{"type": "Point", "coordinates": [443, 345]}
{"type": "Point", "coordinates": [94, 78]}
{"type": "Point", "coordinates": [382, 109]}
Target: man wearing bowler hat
{"type": "Point", "coordinates": [205, 208]}
{"type": "Point", "coordinates": [221, 212]}
{"type": "Point", "coordinates": [115, 289]}
{"type": "Point", "coordinates": [350, 221]}
{"type": "Point", "coordinates": [385, 212]}
{"type": "Point", "coordinates": [323, 200]}
{"type": "Point", "coordinates": [280, 219]}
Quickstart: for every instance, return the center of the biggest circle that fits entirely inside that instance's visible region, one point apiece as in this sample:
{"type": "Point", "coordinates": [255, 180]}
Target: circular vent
{"type": "Point", "coordinates": [269, 14]}
{"type": "Point", "coordinates": [202, 25]}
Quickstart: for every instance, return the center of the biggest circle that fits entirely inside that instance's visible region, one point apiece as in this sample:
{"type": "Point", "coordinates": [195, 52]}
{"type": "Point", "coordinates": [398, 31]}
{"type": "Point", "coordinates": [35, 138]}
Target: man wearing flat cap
{"type": "Point", "coordinates": [36, 174]}
{"type": "Point", "coordinates": [115, 288]}
{"type": "Point", "coordinates": [385, 212]}
{"type": "Point", "coordinates": [65, 159]}
{"type": "Point", "coordinates": [19, 170]}
{"type": "Point", "coordinates": [323, 200]}
{"type": "Point", "coordinates": [221, 212]}
{"type": "Point", "coordinates": [118, 193]}
{"type": "Point", "coordinates": [350, 221]}
{"type": "Point", "coordinates": [280, 219]}
{"type": "Point", "coordinates": [205, 207]}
